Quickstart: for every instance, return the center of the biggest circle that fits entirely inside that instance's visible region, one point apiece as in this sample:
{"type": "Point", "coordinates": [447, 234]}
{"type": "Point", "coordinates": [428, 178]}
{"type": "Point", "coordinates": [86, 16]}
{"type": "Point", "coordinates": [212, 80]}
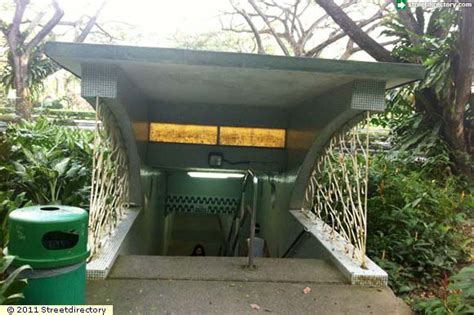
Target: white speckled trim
{"type": "Point", "coordinates": [99, 267]}
{"type": "Point", "coordinates": [336, 248]}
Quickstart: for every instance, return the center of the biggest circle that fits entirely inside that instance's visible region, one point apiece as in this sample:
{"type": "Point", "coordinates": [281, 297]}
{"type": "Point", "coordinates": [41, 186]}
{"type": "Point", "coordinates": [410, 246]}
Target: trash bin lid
{"type": "Point", "coordinates": [48, 214]}
{"type": "Point", "coordinates": [48, 236]}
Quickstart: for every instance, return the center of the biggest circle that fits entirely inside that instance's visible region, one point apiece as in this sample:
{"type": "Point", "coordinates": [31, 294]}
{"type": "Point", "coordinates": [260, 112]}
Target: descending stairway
{"type": "Point", "coordinates": [192, 229]}
{"type": "Point", "coordinates": [220, 285]}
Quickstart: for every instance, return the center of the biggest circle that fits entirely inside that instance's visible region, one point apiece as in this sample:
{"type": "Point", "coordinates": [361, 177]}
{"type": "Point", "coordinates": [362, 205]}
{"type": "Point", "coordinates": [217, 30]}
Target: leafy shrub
{"type": "Point", "coordinates": [49, 163]}
{"type": "Point", "coordinates": [413, 224]}
{"type": "Point", "coordinates": [457, 296]}
{"type": "Point", "coordinates": [65, 114]}
{"type": "Point", "coordinates": [8, 203]}
{"type": "Point", "coordinates": [11, 287]}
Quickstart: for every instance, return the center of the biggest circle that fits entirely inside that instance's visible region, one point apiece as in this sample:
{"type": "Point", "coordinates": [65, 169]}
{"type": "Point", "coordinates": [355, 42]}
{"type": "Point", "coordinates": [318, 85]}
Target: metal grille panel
{"type": "Point", "coordinates": [99, 80]}
{"type": "Point", "coordinates": [368, 95]}
{"type": "Point", "coordinates": [201, 204]}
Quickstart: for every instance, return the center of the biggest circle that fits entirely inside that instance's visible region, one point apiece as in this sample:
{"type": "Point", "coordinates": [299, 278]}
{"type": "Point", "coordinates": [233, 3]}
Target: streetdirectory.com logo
{"type": "Point", "coordinates": [57, 309]}
{"type": "Point", "coordinates": [432, 4]}
{"type": "Point", "coordinates": [401, 4]}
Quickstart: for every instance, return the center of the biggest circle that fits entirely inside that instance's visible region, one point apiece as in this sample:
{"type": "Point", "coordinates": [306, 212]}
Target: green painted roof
{"type": "Point", "coordinates": [186, 76]}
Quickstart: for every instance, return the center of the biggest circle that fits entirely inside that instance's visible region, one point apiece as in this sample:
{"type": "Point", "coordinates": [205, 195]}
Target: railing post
{"type": "Point", "coordinates": [252, 222]}
{"type": "Point", "coordinates": [237, 224]}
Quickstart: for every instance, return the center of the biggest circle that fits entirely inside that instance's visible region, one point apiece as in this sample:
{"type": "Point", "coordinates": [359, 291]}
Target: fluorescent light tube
{"type": "Point", "coordinates": [215, 175]}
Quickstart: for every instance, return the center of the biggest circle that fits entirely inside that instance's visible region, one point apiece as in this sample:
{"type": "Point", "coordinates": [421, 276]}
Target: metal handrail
{"type": "Point", "coordinates": [240, 217]}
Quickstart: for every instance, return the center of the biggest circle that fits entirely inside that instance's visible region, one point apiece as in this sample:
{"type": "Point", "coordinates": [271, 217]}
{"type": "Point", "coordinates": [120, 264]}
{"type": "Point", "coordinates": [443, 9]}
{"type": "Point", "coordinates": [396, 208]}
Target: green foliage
{"type": "Point", "coordinates": [421, 147]}
{"type": "Point", "coordinates": [40, 162]}
{"type": "Point", "coordinates": [61, 114]}
{"type": "Point", "coordinates": [419, 114]}
{"type": "Point", "coordinates": [399, 106]}
{"type": "Point", "coordinates": [50, 163]}
{"type": "Point", "coordinates": [39, 68]}
{"type": "Point", "coordinates": [9, 202]}
{"type": "Point", "coordinates": [65, 114]}
{"type": "Point", "coordinates": [417, 208]}
{"type": "Point", "coordinates": [457, 296]}
{"type": "Point", "coordinates": [414, 223]}
{"type": "Point", "coordinates": [12, 286]}
{"type": "Point", "coordinates": [434, 46]}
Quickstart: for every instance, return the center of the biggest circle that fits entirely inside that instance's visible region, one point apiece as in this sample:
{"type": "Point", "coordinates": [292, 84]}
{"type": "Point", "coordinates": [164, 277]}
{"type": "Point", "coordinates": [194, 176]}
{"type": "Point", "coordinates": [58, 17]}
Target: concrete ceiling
{"type": "Point", "coordinates": [216, 85]}
{"type": "Point", "coordinates": [184, 76]}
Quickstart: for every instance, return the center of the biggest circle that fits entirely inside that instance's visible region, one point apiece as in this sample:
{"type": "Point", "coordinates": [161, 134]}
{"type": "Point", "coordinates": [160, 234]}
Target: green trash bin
{"type": "Point", "coordinates": [53, 241]}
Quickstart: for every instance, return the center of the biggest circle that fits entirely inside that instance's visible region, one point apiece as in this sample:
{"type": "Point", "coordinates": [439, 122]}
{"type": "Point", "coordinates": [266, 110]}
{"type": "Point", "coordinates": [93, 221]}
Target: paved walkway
{"type": "Point", "coordinates": [219, 285]}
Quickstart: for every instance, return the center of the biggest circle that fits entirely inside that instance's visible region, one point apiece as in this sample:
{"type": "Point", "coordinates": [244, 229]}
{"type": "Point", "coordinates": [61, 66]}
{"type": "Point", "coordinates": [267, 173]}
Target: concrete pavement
{"type": "Point", "coordinates": [219, 285]}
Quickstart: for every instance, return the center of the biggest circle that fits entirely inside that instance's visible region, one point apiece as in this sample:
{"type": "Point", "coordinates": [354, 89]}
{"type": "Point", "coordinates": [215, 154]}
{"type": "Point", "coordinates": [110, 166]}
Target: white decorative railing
{"type": "Point", "coordinates": [337, 188]}
{"type": "Point", "coordinates": [110, 178]}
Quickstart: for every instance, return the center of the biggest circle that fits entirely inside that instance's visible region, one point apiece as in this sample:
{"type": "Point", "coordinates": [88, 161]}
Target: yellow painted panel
{"type": "Point", "coordinates": [253, 137]}
{"type": "Point", "coordinates": [175, 133]}
{"type": "Point", "coordinates": [140, 130]}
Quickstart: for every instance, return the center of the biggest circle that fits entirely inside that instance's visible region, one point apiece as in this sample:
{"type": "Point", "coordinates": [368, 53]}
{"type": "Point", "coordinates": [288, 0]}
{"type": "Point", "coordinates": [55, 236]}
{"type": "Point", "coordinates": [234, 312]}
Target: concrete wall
{"type": "Point", "coordinates": [277, 226]}
{"type": "Point", "coordinates": [150, 234]}
{"type": "Point", "coordinates": [185, 156]}
{"type": "Point", "coordinates": [223, 115]}
{"type": "Point", "coordinates": [136, 107]}
{"type": "Point", "coordinates": [310, 118]}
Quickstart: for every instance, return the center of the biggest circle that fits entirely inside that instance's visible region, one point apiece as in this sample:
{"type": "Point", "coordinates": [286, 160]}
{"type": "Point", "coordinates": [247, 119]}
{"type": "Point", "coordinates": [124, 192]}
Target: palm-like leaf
{"type": "Point", "coordinates": [12, 287]}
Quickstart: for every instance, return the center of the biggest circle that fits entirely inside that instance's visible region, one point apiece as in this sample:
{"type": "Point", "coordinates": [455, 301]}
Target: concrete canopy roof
{"type": "Point", "coordinates": [187, 76]}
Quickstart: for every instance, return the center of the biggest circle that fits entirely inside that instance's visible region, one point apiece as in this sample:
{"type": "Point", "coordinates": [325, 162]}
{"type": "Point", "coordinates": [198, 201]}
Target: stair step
{"type": "Point", "coordinates": [225, 268]}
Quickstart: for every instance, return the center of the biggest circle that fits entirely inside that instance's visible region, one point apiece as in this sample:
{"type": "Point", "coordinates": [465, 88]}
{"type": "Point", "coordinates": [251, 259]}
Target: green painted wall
{"type": "Point", "coordinates": [157, 233]}
{"type": "Point", "coordinates": [150, 234]}
{"type": "Point", "coordinates": [277, 226]}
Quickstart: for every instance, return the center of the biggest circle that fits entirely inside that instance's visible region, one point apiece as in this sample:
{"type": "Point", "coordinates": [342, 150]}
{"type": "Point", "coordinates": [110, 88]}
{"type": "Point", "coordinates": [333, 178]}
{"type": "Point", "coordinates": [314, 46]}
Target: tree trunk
{"type": "Point", "coordinates": [23, 104]}
{"type": "Point", "coordinates": [454, 109]}
{"type": "Point", "coordinates": [362, 39]}
{"type": "Point", "coordinates": [22, 51]}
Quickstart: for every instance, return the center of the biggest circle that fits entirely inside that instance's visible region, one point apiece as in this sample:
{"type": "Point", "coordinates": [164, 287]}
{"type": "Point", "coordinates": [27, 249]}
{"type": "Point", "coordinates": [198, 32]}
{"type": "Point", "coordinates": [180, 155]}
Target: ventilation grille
{"type": "Point", "coordinates": [369, 95]}
{"type": "Point", "coordinates": [99, 80]}
{"type": "Point", "coordinates": [201, 204]}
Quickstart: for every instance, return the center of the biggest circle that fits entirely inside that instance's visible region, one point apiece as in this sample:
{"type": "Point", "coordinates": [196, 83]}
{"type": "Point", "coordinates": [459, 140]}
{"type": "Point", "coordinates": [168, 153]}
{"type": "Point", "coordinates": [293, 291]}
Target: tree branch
{"type": "Point", "coordinates": [355, 32]}
{"type": "Point", "coordinates": [57, 16]}
{"type": "Point", "coordinates": [309, 32]}
{"type": "Point", "coordinates": [35, 22]}
{"type": "Point", "coordinates": [336, 36]}
{"type": "Point", "coordinates": [90, 24]}
{"type": "Point", "coordinates": [13, 32]}
{"type": "Point", "coordinates": [350, 49]}
{"type": "Point", "coordinates": [265, 19]}
{"type": "Point", "coordinates": [106, 33]}
{"type": "Point", "coordinates": [252, 26]}
{"type": "Point", "coordinates": [293, 20]}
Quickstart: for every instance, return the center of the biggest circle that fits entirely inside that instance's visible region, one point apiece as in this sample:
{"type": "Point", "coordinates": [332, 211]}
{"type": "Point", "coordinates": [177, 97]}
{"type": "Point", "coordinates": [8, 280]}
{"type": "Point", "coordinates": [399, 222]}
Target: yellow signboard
{"type": "Point", "coordinates": [231, 136]}
{"type": "Point", "coordinates": [176, 133]}
{"type": "Point", "coordinates": [252, 137]}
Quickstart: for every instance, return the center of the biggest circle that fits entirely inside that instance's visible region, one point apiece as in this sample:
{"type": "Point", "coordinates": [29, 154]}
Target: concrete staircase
{"type": "Point", "coordinates": [221, 285]}
{"type": "Point", "coordinates": [192, 229]}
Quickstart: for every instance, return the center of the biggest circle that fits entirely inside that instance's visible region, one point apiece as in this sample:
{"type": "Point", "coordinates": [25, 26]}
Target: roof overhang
{"type": "Point", "coordinates": [189, 76]}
